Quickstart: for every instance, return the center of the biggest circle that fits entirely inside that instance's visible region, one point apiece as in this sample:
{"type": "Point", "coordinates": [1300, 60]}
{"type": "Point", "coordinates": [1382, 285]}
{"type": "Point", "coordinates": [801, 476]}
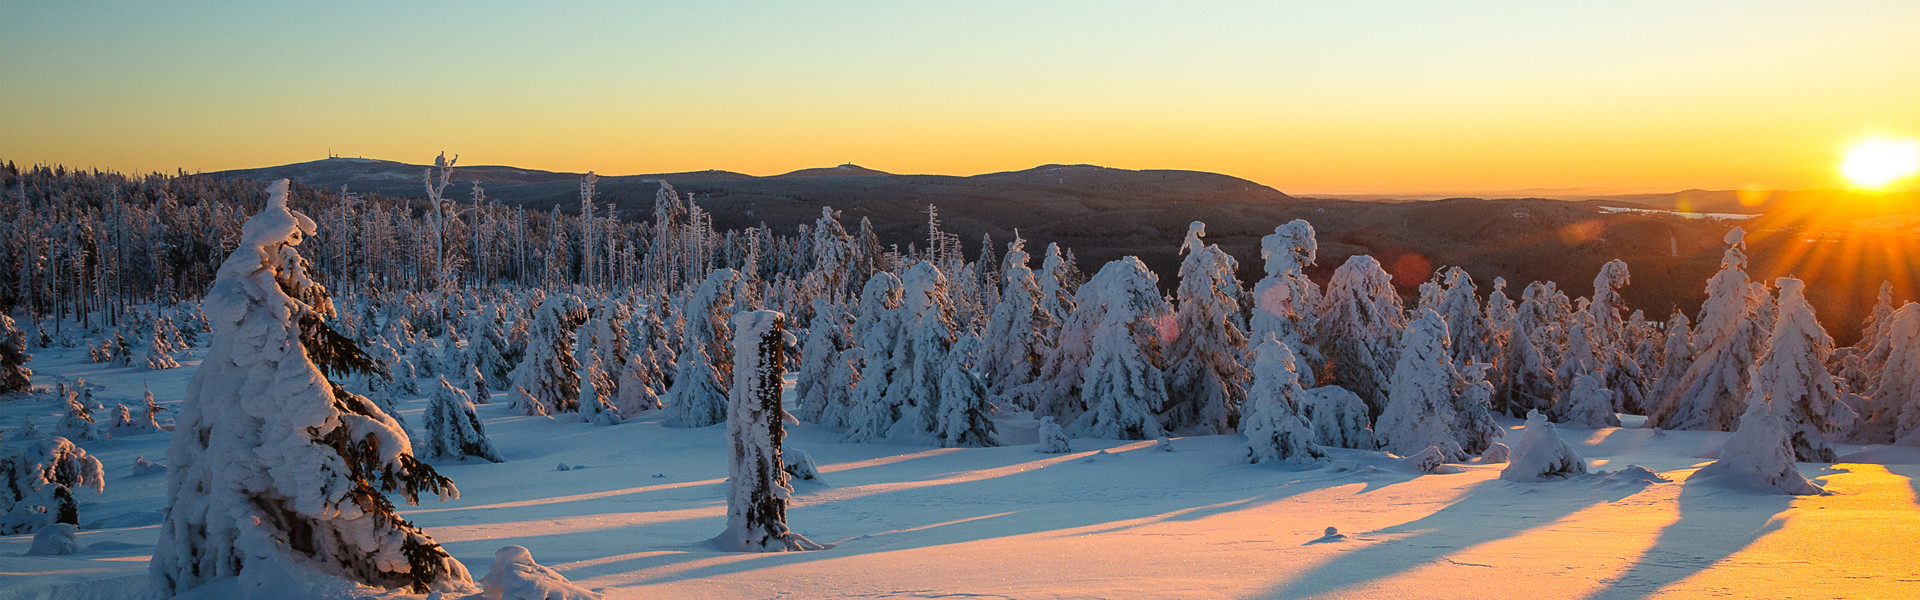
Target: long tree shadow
{"type": "Point", "coordinates": [1714, 522]}
{"type": "Point", "coordinates": [1492, 510]}
{"type": "Point", "coordinates": [961, 511]}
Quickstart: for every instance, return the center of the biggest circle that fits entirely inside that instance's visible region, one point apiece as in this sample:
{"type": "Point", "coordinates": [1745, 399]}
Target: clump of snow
{"type": "Point", "coordinates": [1165, 444]}
{"type": "Point", "coordinates": [1053, 439]}
{"type": "Point", "coordinates": [142, 466]}
{"type": "Point", "coordinates": [799, 465]}
{"type": "Point", "coordinates": [514, 576]}
{"type": "Point", "coordinates": [1760, 454]}
{"type": "Point", "coordinates": [1541, 455]}
{"type": "Point", "coordinates": [1332, 535]}
{"type": "Point", "coordinates": [55, 539]}
{"type": "Point", "coordinates": [1496, 453]}
{"type": "Point", "coordinates": [1431, 460]}
{"type": "Point", "coordinates": [1634, 474]}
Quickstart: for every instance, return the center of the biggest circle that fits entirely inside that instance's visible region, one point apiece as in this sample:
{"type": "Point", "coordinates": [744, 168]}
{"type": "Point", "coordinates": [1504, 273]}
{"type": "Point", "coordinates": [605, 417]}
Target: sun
{"type": "Point", "coordinates": [1878, 163]}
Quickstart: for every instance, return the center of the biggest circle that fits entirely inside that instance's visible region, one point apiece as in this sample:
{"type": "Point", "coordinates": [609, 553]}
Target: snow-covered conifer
{"type": "Point", "coordinates": [636, 388]}
{"type": "Point", "coordinates": [547, 381]}
{"type": "Point", "coordinates": [1206, 384]}
{"type": "Point", "coordinates": [1124, 383]}
{"type": "Point", "coordinates": [598, 396]}
{"type": "Point", "coordinates": [122, 351]}
{"type": "Point", "coordinates": [879, 326]}
{"type": "Point", "coordinates": [486, 347]}
{"type": "Point", "coordinates": [1272, 423]}
{"type": "Point", "coordinates": [78, 421]}
{"type": "Point", "coordinates": [826, 339]}
{"type": "Point", "coordinates": [1528, 374]}
{"type": "Point", "coordinates": [1057, 292]}
{"type": "Point", "coordinates": [1473, 422]}
{"type": "Point", "coordinates": [1360, 319]}
{"type": "Point", "coordinates": [757, 487]}
{"type": "Point", "coordinates": [1016, 341]}
{"type": "Point", "coordinates": [1466, 320]}
{"type": "Point", "coordinates": [1338, 417]}
{"type": "Point", "coordinates": [1792, 375]}
{"type": "Point", "coordinates": [1726, 342]}
{"type": "Point", "coordinates": [1892, 413]}
{"type": "Point", "coordinates": [1588, 403]}
{"type": "Point", "coordinates": [37, 480]}
{"type": "Point", "coordinates": [1760, 452]}
{"type": "Point", "coordinates": [1053, 439]}
{"type": "Point", "coordinates": [918, 359]}
{"type": "Point", "coordinates": [698, 397]}
{"type": "Point", "coordinates": [963, 420]}
{"type": "Point", "coordinates": [1541, 455]}
{"type": "Point", "coordinates": [274, 463]}
{"type": "Point", "coordinates": [160, 351]}
{"type": "Point", "coordinates": [1419, 411]}
{"type": "Point", "coordinates": [1284, 301]}
{"type": "Point", "coordinates": [14, 374]}
{"type": "Point", "coordinates": [453, 431]}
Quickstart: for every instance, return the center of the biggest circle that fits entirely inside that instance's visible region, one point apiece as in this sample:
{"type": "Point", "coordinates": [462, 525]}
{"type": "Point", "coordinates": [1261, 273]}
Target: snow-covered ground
{"type": "Point", "coordinates": [1111, 520]}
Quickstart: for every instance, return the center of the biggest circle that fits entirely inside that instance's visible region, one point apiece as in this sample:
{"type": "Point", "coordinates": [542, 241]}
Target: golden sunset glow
{"type": "Point", "coordinates": [1878, 163]}
{"type": "Point", "coordinates": [1309, 98]}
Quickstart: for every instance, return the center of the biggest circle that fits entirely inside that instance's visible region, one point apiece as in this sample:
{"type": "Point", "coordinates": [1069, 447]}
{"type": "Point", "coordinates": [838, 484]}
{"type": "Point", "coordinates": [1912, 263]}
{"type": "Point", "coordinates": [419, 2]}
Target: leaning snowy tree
{"type": "Point", "coordinates": [757, 487]}
{"type": "Point", "coordinates": [14, 374]}
{"type": "Point", "coordinates": [547, 381]}
{"type": "Point", "coordinates": [274, 467]}
{"type": "Point", "coordinates": [453, 430]}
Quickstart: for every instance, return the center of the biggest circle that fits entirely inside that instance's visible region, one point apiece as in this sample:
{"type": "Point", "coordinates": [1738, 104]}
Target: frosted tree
{"type": "Point", "coordinates": [160, 351]}
{"type": "Point", "coordinates": [1891, 412]}
{"type": "Point", "coordinates": [453, 431]}
{"type": "Point", "coordinates": [1541, 455]}
{"type": "Point", "coordinates": [1206, 383]}
{"type": "Point", "coordinates": [698, 397]}
{"type": "Point", "coordinates": [963, 420]}
{"type": "Point", "coordinates": [1360, 319]}
{"type": "Point", "coordinates": [1339, 418]}
{"type": "Point", "coordinates": [547, 381]}
{"type": "Point", "coordinates": [1124, 383]}
{"type": "Point", "coordinates": [78, 422]}
{"type": "Point", "coordinates": [273, 464]}
{"type": "Point", "coordinates": [1587, 401]}
{"type": "Point", "coordinates": [879, 326]}
{"type": "Point", "coordinates": [1466, 320]}
{"type": "Point", "coordinates": [826, 339]}
{"type": "Point", "coordinates": [1016, 341]}
{"type": "Point", "coordinates": [14, 374]}
{"type": "Point", "coordinates": [1473, 421]}
{"type": "Point", "coordinates": [1614, 341]}
{"type": "Point", "coordinates": [610, 344]}
{"type": "Point", "coordinates": [1053, 439]}
{"type": "Point", "coordinates": [918, 360]}
{"type": "Point", "coordinates": [833, 254]}
{"type": "Point", "coordinates": [637, 383]}
{"type": "Point", "coordinates": [1419, 411]}
{"type": "Point", "coordinates": [1726, 342]}
{"type": "Point", "coordinates": [1284, 301]}
{"type": "Point", "coordinates": [1056, 289]}
{"type": "Point", "coordinates": [757, 487]}
{"type": "Point", "coordinates": [1528, 381]}
{"type": "Point", "coordinates": [598, 397]}
{"type": "Point", "coordinates": [1792, 375]}
{"type": "Point", "coordinates": [1676, 358]}
{"type": "Point", "coordinates": [1760, 453]}
{"type": "Point", "coordinates": [1272, 423]}
{"type": "Point", "coordinates": [37, 481]}
{"type": "Point", "coordinates": [122, 351]}
{"type": "Point", "coordinates": [486, 347]}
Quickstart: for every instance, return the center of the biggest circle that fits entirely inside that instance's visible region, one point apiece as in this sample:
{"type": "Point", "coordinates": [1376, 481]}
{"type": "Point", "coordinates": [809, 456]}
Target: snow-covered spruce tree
{"type": "Point", "coordinates": [1892, 412]}
{"type": "Point", "coordinates": [1675, 360]}
{"type": "Point", "coordinates": [1859, 365]}
{"type": "Point", "coordinates": [1057, 291]}
{"type": "Point", "coordinates": [963, 419]}
{"type": "Point", "coordinates": [1284, 301]}
{"type": "Point", "coordinates": [636, 388]}
{"type": "Point", "coordinates": [1016, 330]}
{"type": "Point", "coordinates": [160, 351]}
{"type": "Point", "coordinates": [122, 351]}
{"type": "Point", "coordinates": [1125, 384]}
{"type": "Point", "coordinates": [698, 398]}
{"type": "Point", "coordinates": [1206, 383]}
{"type": "Point", "coordinates": [1759, 454]}
{"type": "Point", "coordinates": [1792, 375]}
{"type": "Point", "coordinates": [486, 347]}
{"type": "Point", "coordinates": [610, 344]}
{"type": "Point", "coordinates": [273, 464]}
{"type": "Point", "coordinates": [919, 359]}
{"type": "Point", "coordinates": [878, 328]}
{"type": "Point", "coordinates": [1272, 423]}
{"type": "Point", "coordinates": [78, 421]}
{"type": "Point", "coordinates": [1614, 341]}
{"type": "Point", "coordinates": [1473, 409]}
{"type": "Point", "coordinates": [1466, 320]}
{"type": "Point", "coordinates": [1339, 418]}
{"type": "Point", "coordinates": [147, 421]}
{"type": "Point", "coordinates": [1056, 392]}
{"type": "Point", "coordinates": [37, 480]}
{"type": "Point", "coordinates": [547, 381]}
{"type": "Point", "coordinates": [1541, 455]}
{"type": "Point", "coordinates": [598, 396]}
{"type": "Point", "coordinates": [453, 431]}
{"type": "Point", "coordinates": [1726, 342]}
{"type": "Point", "coordinates": [757, 487]}
{"type": "Point", "coordinates": [826, 339]}
{"type": "Point", "coordinates": [1419, 411]}
{"type": "Point", "coordinates": [14, 374]}
{"type": "Point", "coordinates": [1587, 401]}
{"type": "Point", "coordinates": [1360, 319]}
{"type": "Point", "coordinates": [1528, 381]}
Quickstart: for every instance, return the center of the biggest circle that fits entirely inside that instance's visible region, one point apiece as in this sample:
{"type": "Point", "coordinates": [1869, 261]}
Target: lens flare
{"type": "Point", "coordinates": [1878, 163]}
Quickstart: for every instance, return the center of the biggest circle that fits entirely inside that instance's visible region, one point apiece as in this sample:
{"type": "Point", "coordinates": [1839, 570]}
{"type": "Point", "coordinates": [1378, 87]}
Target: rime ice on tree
{"type": "Point", "coordinates": [14, 374]}
{"type": "Point", "coordinates": [272, 466]}
{"type": "Point", "coordinates": [757, 487]}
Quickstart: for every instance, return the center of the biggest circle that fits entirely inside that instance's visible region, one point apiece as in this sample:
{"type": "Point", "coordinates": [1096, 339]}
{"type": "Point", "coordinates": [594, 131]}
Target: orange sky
{"type": "Point", "coordinates": [1305, 97]}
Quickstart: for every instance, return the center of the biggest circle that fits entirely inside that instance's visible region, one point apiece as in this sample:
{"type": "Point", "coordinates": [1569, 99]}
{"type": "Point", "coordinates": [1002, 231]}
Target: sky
{"type": "Point", "coordinates": [1306, 97]}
